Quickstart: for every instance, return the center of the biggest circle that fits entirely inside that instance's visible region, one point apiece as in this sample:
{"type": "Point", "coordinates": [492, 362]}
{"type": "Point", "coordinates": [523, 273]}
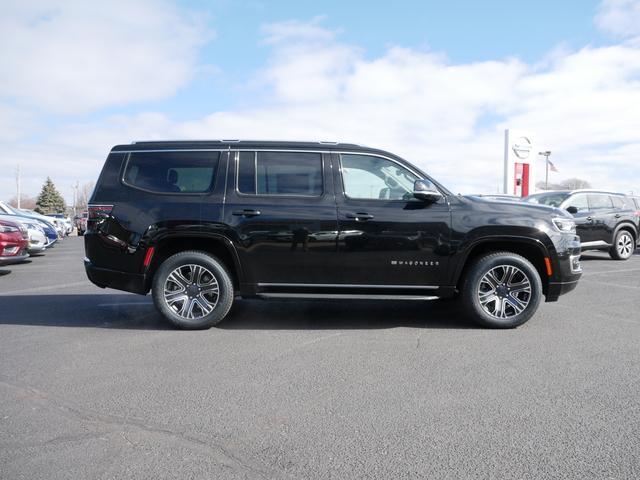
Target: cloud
{"type": "Point", "coordinates": [620, 18]}
{"type": "Point", "coordinates": [448, 118]}
{"type": "Point", "coordinates": [72, 56]}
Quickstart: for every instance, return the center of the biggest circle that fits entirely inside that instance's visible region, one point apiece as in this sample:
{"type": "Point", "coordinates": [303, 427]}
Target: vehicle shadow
{"type": "Point", "coordinates": [4, 272]}
{"type": "Point", "coordinates": [249, 314]}
{"type": "Point", "coordinates": [124, 311]}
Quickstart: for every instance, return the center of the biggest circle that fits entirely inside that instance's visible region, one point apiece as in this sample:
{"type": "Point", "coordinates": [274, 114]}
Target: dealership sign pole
{"type": "Point", "coordinates": [519, 164]}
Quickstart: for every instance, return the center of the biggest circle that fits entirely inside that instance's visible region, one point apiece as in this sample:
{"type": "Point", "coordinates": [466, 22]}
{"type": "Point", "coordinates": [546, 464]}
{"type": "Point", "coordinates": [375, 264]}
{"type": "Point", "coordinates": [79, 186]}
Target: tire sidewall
{"type": "Point", "coordinates": [476, 273]}
{"type": "Point", "coordinates": [225, 285]}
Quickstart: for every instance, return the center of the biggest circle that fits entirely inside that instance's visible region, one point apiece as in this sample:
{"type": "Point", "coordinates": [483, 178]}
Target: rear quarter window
{"type": "Point", "coordinates": [172, 172]}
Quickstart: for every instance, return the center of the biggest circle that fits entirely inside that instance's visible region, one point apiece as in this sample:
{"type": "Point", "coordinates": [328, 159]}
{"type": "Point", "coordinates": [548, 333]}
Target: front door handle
{"type": "Point", "coordinates": [617, 215]}
{"type": "Point", "coordinates": [359, 216]}
{"type": "Point", "coordinates": [589, 219]}
{"type": "Point", "coordinates": [246, 213]}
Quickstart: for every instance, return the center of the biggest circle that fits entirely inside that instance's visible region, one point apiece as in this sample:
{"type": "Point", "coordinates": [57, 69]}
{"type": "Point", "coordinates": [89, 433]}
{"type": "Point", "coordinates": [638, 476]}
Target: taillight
{"type": "Point", "coordinates": [97, 212]}
{"type": "Point", "coordinates": [637, 214]}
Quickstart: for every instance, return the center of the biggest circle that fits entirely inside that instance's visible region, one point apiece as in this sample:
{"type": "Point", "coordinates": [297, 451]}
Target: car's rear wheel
{"type": "Point", "coordinates": [501, 290]}
{"type": "Point", "coordinates": [193, 290]}
{"type": "Point", "coordinates": [623, 246]}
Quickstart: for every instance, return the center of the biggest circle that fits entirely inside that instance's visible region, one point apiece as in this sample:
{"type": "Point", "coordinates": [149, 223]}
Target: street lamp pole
{"type": "Point", "coordinates": [546, 154]}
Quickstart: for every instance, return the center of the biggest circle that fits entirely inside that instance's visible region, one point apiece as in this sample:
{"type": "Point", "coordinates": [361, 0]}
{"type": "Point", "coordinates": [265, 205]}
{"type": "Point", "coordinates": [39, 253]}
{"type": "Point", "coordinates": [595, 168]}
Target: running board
{"type": "Point", "coordinates": [347, 296]}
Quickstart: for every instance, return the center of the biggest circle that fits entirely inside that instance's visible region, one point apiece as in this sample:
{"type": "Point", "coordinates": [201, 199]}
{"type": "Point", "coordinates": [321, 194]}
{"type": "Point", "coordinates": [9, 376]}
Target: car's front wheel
{"type": "Point", "coordinates": [501, 290]}
{"type": "Point", "coordinates": [623, 246]}
{"type": "Point", "coordinates": [193, 290]}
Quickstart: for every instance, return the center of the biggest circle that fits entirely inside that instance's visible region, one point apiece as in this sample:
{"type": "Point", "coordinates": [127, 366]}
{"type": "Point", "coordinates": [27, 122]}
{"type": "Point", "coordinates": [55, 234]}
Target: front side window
{"type": "Point", "coordinates": [280, 173]}
{"type": "Point", "coordinates": [579, 201]}
{"type": "Point", "coordinates": [172, 172]}
{"type": "Point", "coordinates": [375, 178]}
{"type": "Point", "coordinates": [600, 202]}
{"type": "Point", "coordinates": [553, 199]}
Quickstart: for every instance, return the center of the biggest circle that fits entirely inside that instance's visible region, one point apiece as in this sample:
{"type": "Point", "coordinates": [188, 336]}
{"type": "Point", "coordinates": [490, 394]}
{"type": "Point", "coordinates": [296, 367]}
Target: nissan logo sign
{"type": "Point", "coordinates": [522, 147]}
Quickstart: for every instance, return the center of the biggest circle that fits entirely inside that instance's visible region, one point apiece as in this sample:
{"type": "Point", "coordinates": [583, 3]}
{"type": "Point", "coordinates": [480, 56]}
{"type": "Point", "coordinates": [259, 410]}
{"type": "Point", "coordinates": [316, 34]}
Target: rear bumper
{"type": "Point", "coordinates": [106, 278]}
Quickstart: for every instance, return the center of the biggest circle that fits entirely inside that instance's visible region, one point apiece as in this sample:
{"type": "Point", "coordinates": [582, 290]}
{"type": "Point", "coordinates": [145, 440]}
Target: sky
{"type": "Point", "coordinates": [435, 82]}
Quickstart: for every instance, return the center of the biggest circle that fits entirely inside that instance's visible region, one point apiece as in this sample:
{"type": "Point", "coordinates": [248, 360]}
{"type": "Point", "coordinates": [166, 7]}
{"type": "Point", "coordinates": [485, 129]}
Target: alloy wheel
{"type": "Point", "coordinates": [625, 245]}
{"type": "Point", "coordinates": [504, 291]}
{"type": "Point", "coordinates": [191, 291]}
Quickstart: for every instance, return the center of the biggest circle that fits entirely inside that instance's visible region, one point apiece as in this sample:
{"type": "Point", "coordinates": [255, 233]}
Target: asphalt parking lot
{"type": "Point", "coordinates": [93, 384]}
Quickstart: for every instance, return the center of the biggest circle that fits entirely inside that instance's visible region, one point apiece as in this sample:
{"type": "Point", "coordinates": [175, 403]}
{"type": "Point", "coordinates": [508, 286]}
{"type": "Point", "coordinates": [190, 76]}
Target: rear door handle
{"type": "Point", "coordinates": [617, 215]}
{"type": "Point", "coordinates": [359, 216]}
{"type": "Point", "coordinates": [246, 213]}
{"type": "Point", "coordinates": [589, 219]}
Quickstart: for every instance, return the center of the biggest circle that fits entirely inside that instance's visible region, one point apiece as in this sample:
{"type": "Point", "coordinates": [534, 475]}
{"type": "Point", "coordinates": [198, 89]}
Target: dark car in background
{"type": "Point", "coordinates": [81, 223]}
{"type": "Point", "coordinates": [604, 220]}
{"type": "Point", "coordinates": [14, 240]}
{"type": "Point", "coordinates": [199, 223]}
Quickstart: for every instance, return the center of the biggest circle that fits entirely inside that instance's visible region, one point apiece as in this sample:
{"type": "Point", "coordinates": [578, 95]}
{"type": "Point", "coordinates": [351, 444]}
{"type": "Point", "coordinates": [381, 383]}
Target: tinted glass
{"type": "Point", "coordinates": [280, 173]}
{"type": "Point", "coordinates": [579, 201]}
{"type": "Point", "coordinates": [172, 172]}
{"type": "Point", "coordinates": [376, 178]}
{"type": "Point", "coordinates": [600, 201]}
{"type": "Point", "coordinates": [621, 202]}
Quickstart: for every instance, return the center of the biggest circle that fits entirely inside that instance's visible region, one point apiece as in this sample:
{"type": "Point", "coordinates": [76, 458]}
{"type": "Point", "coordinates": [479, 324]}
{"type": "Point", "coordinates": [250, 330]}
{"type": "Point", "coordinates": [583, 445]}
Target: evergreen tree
{"type": "Point", "coordinates": [50, 200]}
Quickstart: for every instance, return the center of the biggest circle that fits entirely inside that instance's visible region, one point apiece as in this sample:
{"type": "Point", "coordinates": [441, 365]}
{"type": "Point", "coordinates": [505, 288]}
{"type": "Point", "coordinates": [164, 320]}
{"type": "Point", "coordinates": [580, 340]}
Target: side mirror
{"type": "Point", "coordinates": [572, 210]}
{"type": "Point", "coordinates": [426, 191]}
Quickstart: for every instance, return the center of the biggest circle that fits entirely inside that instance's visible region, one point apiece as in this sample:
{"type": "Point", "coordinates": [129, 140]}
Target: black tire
{"type": "Point", "coordinates": [80, 233]}
{"type": "Point", "coordinates": [518, 299]}
{"type": "Point", "coordinates": [195, 295]}
{"type": "Point", "coordinates": [623, 245]}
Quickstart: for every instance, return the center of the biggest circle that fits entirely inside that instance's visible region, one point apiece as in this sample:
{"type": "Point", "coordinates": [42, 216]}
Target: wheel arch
{"type": "Point", "coordinates": [629, 226]}
{"type": "Point", "coordinates": [531, 249]}
{"type": "Point", "coordinates": [215, 244]}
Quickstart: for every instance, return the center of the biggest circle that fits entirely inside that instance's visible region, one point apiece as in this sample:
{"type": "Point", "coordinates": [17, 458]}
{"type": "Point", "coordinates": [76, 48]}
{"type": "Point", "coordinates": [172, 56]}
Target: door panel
{"type": "Point", "coordinates": [389, 238]}
{"type": "Point", "coordinates": [281, 209]}
{"type": "Point", "coordinates": [602, 217]}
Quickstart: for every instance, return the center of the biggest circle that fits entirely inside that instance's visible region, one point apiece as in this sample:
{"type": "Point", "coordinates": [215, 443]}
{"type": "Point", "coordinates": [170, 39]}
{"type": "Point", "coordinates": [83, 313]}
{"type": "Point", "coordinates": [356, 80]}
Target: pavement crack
{"type": "Point", "coordinates": [223, 455]}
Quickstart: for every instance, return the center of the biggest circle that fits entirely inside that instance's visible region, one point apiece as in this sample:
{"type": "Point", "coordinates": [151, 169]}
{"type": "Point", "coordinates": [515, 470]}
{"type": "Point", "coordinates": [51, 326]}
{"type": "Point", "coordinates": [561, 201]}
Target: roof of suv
{"type": "Point", "coordinates": [223, 144]}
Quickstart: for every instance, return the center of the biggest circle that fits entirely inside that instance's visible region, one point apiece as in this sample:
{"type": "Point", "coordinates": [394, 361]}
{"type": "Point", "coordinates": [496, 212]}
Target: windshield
{"type": "Point", "coordinates": [554, 199]}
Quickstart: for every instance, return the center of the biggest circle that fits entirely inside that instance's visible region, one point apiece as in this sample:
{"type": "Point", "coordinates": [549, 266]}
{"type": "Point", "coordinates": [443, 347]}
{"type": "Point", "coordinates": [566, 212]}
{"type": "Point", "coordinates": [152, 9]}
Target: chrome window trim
{"type": "Point", "coordinates": [346, 285]}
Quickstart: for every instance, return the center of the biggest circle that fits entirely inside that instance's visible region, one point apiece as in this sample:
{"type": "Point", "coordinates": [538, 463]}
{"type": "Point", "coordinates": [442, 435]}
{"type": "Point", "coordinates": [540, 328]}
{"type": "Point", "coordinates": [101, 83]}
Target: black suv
{"type": "Point", "coordinates": [199, 223]}
{"type": "Point", "coordinates": [604, 220]}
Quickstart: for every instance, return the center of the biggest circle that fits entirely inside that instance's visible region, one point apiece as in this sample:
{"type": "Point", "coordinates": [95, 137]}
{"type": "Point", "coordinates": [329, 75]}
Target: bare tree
{"type": "Point", "coordinates": [568, 184]}
{"type": "Point", "coordinates": [26, 202]}
{"type": "Point", "coordinates": [84, 194]}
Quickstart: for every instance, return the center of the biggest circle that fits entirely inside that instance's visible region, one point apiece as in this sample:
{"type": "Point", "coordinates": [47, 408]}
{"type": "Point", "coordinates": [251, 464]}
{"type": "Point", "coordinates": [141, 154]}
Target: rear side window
{"type": "Point", "coordinates": [280, 173]}
{"type": "Point", "coordinates": [619, 202]}
{"type": "Point", "coordinates": [172, 172]}
{"type": "Point", "coordinates": [600, 202]}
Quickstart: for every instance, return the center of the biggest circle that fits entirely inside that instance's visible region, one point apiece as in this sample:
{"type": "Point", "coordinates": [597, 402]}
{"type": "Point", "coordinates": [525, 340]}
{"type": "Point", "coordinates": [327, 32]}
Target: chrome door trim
{"type": "Point", "coordinates": [346, 285]}
{"type": "Point", "coordinates": [347, 296]}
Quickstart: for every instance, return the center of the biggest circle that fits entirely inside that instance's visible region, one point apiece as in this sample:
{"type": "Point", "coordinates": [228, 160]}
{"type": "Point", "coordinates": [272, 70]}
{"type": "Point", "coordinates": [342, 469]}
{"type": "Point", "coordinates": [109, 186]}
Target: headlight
{"type": "Point", "coordinates": [565, 225]}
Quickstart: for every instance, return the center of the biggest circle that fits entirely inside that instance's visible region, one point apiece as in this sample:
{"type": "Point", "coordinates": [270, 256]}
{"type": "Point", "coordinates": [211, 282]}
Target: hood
{"type": "Point", "coordinates": [516, 207]}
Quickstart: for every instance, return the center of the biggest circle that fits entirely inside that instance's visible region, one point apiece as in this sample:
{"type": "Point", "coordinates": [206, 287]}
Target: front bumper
{"type": "Point", "coordinates": [106, 278]}
{"type": "Point", "coordinates": [8, 260]}
{"type": "Point", "coordinates": [567, 270]}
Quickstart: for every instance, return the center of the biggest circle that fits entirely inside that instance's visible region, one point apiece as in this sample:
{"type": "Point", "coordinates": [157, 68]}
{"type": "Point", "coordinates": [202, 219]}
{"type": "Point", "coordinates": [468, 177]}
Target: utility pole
{"type": "Point", "coordinates": [18, 184]}
{"type": "Point", "coordinates": [546, 154]}
{"type": "Point", "coordinates": [75, 197]}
